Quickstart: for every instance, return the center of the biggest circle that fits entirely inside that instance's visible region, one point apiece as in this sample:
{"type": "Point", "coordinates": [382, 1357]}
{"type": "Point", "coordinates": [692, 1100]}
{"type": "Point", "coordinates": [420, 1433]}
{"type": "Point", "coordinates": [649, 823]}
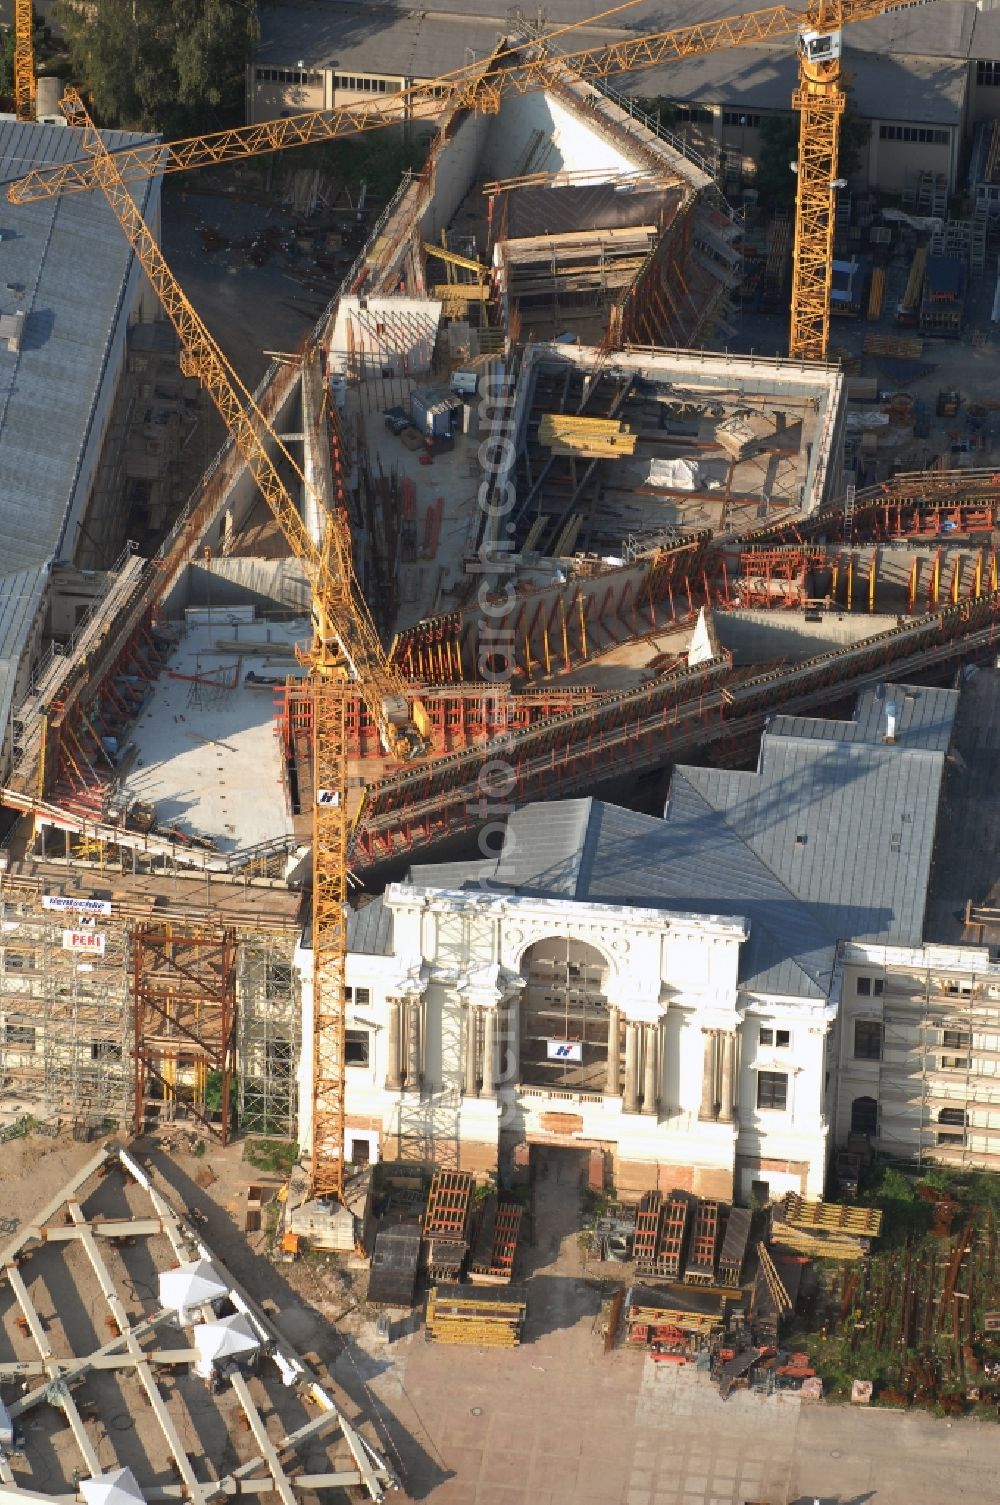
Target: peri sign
{"type": "Point", "coordinates": [564, 1050]}
{"type": "Point", "coordinates": [84, 940]}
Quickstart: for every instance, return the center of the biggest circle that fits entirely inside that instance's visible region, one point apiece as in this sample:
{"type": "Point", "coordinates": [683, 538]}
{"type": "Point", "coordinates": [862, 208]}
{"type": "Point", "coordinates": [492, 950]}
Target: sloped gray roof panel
{"type": "Point", "coordinates": [369, 929]}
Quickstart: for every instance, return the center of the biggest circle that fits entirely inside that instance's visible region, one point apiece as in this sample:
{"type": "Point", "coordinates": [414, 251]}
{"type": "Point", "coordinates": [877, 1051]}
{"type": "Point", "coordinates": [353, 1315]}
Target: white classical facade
{"type": "Point", "coordinates": [683, 1083]}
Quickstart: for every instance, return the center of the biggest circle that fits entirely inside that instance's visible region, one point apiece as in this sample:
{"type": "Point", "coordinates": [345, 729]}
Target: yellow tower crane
{"type": "Point", "coordinates": [345, 651]}
{"type": "Point", "coordinates": [521, 68]}
{"type": "Point", "coordinates": [24, 60]}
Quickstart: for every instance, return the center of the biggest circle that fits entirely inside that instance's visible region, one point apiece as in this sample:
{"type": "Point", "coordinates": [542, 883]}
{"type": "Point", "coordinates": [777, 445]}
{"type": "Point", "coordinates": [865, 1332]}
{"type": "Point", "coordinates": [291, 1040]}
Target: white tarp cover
{"type": "Point", "coordinates": [119, 1487]}
{"type": "Point", "coordinates": [189, 1285]}
{"type": "Point", "coordinates": [224, 1339]}
{"type": "Point", "coordinates": [679, 475]}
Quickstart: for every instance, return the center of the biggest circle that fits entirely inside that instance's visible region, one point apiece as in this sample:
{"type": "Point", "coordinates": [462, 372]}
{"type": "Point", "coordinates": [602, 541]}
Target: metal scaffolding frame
{"type": "Point", "coordinates": [65, 1021]}
{"type": "Point", "coordinates": [269, 1035]}
{"type": "Point", "coordinates": [184, 997]}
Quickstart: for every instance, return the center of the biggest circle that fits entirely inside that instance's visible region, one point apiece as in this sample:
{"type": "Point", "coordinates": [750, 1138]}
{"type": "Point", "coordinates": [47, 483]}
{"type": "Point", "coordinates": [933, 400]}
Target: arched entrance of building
{"type": "Point", "coordinates": [864, 1116]}
{"type": "Point", "coordinates": [564, 1016]}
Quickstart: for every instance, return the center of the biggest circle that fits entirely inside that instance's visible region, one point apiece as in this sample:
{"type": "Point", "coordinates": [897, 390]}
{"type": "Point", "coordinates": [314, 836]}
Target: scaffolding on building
{"type": "Point", "coordinates": [269, 1037]}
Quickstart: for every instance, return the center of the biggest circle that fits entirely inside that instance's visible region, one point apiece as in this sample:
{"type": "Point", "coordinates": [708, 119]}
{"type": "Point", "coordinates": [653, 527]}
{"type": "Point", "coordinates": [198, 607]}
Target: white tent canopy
{"type": "Point", "coordinates": [190, 1285]}
{"type": "Point", "coordinates": [225, 1339]}
{"type": "Point", "coordinates": [119, 1487]}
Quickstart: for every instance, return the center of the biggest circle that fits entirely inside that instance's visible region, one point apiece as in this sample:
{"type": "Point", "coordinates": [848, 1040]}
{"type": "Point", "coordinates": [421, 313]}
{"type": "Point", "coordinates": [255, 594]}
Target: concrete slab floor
{"type": "Point", "coordinates": [208, 759]}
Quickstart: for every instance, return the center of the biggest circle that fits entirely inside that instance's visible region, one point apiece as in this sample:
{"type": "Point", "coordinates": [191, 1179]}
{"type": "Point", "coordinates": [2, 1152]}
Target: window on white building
{"type": "Point", "coordinates": [922, 134]}
{"type": "Point", "coordinates": [988, 72]}
{"type": "Point", "coordinates": [870, 987]}
{"type": "Point", "coordinates": [957, 1043]}
{"type": "Point", "coordinates": [781, 1038]}
{"type": "Point", "coordinates": [360, 996]}
{"type": "Point", "coordinates": [772, 1090]}
{"type": "Point", "coordinates": [741, 118]}
{"type": "Point", "coordinates": [867, 1040]}
{"type": "Point", "coordinates": [357, 1050]}
{"type": "Point", "coordinates": [953, 1121]}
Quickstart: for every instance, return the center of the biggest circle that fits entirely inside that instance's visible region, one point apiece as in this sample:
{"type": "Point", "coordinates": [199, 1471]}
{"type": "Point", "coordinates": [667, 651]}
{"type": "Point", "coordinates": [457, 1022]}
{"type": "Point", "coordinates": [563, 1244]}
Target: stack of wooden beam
{"type": "Point", "coordinates": [586, 438]}
{"type": "Point", "coordinates": [825, 1230]}
{"type": "Point", "coordinates": [481, 1317]}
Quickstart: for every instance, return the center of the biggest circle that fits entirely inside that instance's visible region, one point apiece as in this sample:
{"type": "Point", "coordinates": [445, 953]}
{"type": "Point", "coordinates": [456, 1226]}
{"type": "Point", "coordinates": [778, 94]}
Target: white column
{"type": "Point", "coordinates": [630, 1100]}
{"type": "Point", "coordinates": [471, 1054]}
{"type": "Point", "coordinates": [489, 1052]}
{"type": "Point", "coordinates": [413, 1071]}
{"type": "Point", "coordinates": [709, 1102]}
{"type": "Point", "coordinates": [728, 1043]}
{"type": "Point", "coordinates": [393, 1072]}
{"type": "Point", "coordinates": [651, 1074]}
{"type": "Point", "coordinates": [613, 1087]}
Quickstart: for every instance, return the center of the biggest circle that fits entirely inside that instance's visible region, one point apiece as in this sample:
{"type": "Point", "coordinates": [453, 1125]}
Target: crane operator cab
{"type": "Point", "coordinates": [820, 46]}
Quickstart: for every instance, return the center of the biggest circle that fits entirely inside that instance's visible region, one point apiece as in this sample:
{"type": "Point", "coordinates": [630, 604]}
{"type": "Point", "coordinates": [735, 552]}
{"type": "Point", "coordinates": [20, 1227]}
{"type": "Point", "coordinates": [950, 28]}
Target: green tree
{"type": "Point", "coordinates": [775, 181]}
{"type": "Point", "coordinates": [7, 62]}
{"type": "Point", "coordinates": [854, 133]}
{"type": "Point", "coordinates": [168, 65]}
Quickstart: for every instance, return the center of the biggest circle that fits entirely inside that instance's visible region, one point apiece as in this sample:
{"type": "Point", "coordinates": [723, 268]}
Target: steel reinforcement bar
{"type": "Point", "coordinates": [645, 728]}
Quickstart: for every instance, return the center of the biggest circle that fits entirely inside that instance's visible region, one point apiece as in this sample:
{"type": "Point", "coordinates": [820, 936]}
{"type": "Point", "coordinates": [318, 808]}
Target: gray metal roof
{"type": "Point", "coordinates": [66, 263]}
{"type": "Point", "coordinates": [925, 719]}
{"type": "Point", "coordinates": [829, 840]}
{"type": "Point", "coordinates": [369, 929]}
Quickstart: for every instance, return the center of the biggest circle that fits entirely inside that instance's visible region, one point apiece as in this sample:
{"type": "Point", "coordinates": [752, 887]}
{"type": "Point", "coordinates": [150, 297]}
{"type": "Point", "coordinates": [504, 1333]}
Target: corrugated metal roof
{"type": "Point", "coordinates": [66, 263]}
{"type": "Point", "coordinates": [369, 929]}
{"type": "Point", "coordinates": [540, 856]}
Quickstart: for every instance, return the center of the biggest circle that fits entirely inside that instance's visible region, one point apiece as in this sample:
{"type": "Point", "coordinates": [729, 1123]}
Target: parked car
{"type": "Point", "coordinates": [397, 420]}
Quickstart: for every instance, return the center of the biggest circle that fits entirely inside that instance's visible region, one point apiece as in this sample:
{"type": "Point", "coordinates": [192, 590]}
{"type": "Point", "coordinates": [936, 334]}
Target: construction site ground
{"type": "Point", "coordinates": [555, 1421]}
{"type": "Point", "coordinates": [965, 365]}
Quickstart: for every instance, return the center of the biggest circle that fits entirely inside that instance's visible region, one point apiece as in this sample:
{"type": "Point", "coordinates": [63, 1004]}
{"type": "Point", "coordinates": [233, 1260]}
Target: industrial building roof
{"type": "Point", "coordinates": [891, 86]}
{"type": "Point", "coordinates": [829, 839]}
{"type": "Point", "coordinates": [897, 62]}
{"type": "Point", "coordinates": [65, 263]}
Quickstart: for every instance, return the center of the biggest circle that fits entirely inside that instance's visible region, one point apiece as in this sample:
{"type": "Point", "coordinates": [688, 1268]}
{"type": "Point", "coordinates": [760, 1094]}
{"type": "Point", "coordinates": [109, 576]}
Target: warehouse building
{"type": "Point", "coordinates": [923, 77]}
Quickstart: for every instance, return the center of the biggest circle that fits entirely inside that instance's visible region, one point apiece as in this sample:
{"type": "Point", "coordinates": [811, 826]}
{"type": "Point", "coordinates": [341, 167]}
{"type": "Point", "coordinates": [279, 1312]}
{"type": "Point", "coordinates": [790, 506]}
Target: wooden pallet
{"type": "Point", "coordinates": [648, 1224]}
{"type": "Point", "coordinates": [675, 1226]}
{"type": "Point", "coordinates": [734, 1246]}
{"type": "Point", "coordinates": [449, 1205]}
{"type": "Point", "coordinates": [496, 1244]}
{"type": "Point", "coordinates": [700, 1267]}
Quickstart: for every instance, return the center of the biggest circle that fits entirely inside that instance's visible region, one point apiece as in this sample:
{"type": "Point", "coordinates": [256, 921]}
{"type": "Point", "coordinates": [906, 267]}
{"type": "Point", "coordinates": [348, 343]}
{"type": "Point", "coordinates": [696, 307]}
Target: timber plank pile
{"type": "Point", "coordinates": [824, 1230]}
{"type": "Point", "coordinates": [898, 347]}
{"type": "Point", "coordinates": [476, 1317]}
{"type": "Point", "coordinates": [585, 438]}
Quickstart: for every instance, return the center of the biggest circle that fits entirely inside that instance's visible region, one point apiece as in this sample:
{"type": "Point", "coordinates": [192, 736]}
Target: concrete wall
{"type": "Point", "coordinates": [538, 133]}
{"type": "Point", "coordinates": [274, 587]}
{"type": "Point", "coordinates": [458, 163]}
{"type": "Point", "coordinates": [756, 637]}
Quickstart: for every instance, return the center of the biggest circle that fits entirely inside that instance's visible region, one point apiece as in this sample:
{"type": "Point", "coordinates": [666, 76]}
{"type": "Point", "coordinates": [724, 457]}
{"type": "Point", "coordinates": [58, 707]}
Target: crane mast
{"type": "Point", "coordinates": [24, 60]}
{"type": "Point", "coordinates": [820, 102]}
{"type": "Point", "coordinates": [345, 648]}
